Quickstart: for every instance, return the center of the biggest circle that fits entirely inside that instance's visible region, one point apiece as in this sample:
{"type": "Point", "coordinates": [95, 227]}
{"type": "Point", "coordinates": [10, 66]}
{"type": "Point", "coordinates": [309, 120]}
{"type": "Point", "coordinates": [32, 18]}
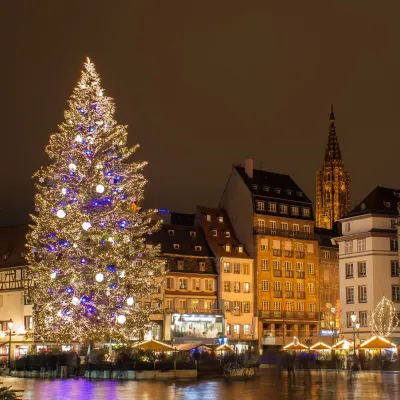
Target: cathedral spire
{"type": "Point", "coordinates": [332, 150]}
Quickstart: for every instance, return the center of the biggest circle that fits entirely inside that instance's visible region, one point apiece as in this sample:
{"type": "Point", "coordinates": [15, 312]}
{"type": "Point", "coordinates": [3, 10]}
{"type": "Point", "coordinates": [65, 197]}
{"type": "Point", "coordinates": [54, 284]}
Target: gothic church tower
{"type": "Point", "coordinates": [333, 183]}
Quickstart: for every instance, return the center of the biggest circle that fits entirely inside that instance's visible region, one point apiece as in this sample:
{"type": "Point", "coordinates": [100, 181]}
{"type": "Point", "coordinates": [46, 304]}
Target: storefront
{"type": "Point", "coordinates": [190, 328]}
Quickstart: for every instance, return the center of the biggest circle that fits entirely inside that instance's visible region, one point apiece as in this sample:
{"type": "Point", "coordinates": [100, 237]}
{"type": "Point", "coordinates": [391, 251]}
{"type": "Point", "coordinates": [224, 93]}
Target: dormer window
{"type": "Point", "coordinates": [272, 207]}
{"type": "Point", "coordinates": [5, 256]}
{"type": "Point", "coordinates": [240, 249]}
{"type": "Point", "coordinates": [387, 204]}
{"type": "Point", "coordinates": [306, 212]}
{"type": "Point", "coordinates": [289, 192]}
{"type": "Point", "coordinates": [228, 247]}
{"type": "Point", "coordinates": [283, 208]}
{"type": "Point", "coordinates": [397, 194]}
{"type": "Point", "coordinates": [180, 265]}
{"type": "Point", "coordinates": [197, 248]}
{"type": "Point", "coordinates": [171, 232]}
{"type": "Point", "coordinates": [261, 205]}
{"type": "Point", "coordinates": [277, 190]}
{"type": "Point", "coordinates": [227, 233]}
{"type": "Point", "coordinates": [202, 266]}
{"type": "Point", "coordinates": [208, 217]}
{"type": "Point", "coordinates": [255, 187]}
{"type": "Point", "coordinates": [266, 188]}
{"type": "Point", "coordinates": [221, 219]}
{"type": "Point", "coordinates": [22, 254]}
{"type": "Point", "coordinates": [176, 246]}
{"type": "Point", "coordinates": [300, 194]}
{"type": "Point", "coordinates": [214, 232]}
{"type": "Point", "coordinates": [192, 233]}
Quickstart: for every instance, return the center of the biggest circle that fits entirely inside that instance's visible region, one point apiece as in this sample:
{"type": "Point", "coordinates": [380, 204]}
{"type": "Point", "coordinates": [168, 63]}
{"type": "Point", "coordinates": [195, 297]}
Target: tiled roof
{"type": "Point", "coordinates": [332, 150]}
{"type": "Point", "coordinates": [324, 237]}
{"type": "Point", "coordinates": [381, 200]}
{"type": "Point", "coordinates": [12, 246]}
{"type": "Point", "coordinates": [222, 229]}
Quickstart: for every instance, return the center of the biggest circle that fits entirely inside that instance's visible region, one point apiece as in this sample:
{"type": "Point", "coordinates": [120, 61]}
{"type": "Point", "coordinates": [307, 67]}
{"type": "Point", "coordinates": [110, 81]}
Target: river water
{"type": "Point", "coordinates": [268, 385]}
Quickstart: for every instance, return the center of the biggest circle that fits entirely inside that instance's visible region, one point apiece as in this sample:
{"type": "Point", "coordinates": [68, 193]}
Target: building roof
{"type": "Point", "coordinates": [12, 246]}
{"type": "Point", "coordinates": [381, 200]}
{"type": "Point", "coordinates": [325, 236]}
{"type": "Point", "coordinates": [220, 225]}
{"type": "Point", "coordinates": [332, 152]}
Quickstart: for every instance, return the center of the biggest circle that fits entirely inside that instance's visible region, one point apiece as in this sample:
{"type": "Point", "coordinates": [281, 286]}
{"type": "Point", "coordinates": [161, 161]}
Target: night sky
{"type": "Point", "coordinates": [203, 85]}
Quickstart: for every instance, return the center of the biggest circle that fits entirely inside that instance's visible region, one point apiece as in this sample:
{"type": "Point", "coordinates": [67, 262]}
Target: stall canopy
{"type": "Point", "coordinates": [320, 346]}
{"type": "Point", "coordinates": [154, 345]}
{"type": "Point", "coordinates": [191, 346]}
{"type": "Point", "coordinates": [295, 346]}
{"type": "Point", "coordinates": [342, 345]}
{"type": "Point", "coordinates": [224, 347]}
{"type": "Point", "coordinates": [377, 342]}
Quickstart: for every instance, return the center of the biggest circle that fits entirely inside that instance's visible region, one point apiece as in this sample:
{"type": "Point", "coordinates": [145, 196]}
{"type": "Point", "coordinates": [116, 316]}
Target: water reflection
{"type": "Point", "coordinates": [269, 385]}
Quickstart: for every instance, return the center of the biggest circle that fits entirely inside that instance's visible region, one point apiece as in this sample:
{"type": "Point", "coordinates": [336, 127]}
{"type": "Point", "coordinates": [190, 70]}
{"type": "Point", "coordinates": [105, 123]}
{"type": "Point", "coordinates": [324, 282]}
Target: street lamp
{"type": "Point", "coordinates": [9, 325]}
{"type": "Point", "coordinates": [353, 320]}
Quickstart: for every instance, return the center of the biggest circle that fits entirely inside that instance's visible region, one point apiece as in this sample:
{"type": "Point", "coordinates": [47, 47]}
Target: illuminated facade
{"type": "Point", "coordinates": [333, 183]}
{"type": "Point", "coordinates": [273, 218]}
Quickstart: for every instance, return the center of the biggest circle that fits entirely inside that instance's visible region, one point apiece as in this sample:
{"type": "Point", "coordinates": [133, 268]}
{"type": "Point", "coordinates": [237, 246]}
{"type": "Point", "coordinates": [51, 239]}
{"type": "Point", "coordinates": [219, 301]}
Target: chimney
{"type": "Point", "coordinates": [248, 167]}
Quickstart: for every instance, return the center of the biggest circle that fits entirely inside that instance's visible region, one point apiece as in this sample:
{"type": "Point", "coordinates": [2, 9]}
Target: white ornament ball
{"type": "Point", "coordinates": [99, 188]}
{"type": "Point", "coordinates": [99, 277]}
{"type": "Point", "coordinates": [72, 167]}
{"type": "Point", "coordinates": [53, 275]}
{"type": "Point", "coordinates": [86, 225]}
{"type": "Point", "coordinates": [75, 301]}
{"type": "Point", "coordinates": [121, 319]}
{"type": "Point", "coordinates": [129, 301]}
{"type": "Point", "coordinates": [59, 313]}
{"type": "Point", "coordinates": [64, 191]}
{"type": "Point", "coordinates": [78, 138]}
{"type": "Point", "coordinates": [61, 214]}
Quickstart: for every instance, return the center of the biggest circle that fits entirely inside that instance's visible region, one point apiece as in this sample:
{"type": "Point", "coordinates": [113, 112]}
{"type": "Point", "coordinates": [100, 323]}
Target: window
{"type": "Point", "coordinates": [289, 286]}
{"type": "Point", "coordinates": [261, 226]}
{"type": "Point", "coordinates": [197, 248]}
{"type": "Point", "coordinates": [361, 245]}
{"type": "Point", "coordinates": [272, 226]}
{"type": "Point", "coordinates": [236, 287]}
{"type": "Point", "coordinates": [289, 306]}
{"type": "Point", "coordinates": [228, 329]}
{"type": "Point", "coordinates": [169, 304]}
{"type": "Point", "coordinates": [255, 187]}
{"type": "Point", "coordinates": [284, 226]}
{"type": "Point", "coordinates": [288, 266]}
{"type": "Point", "coordinates": [265, 305]}
{"type": "Point", "coordinates": [300, 286]}
{"type": "Point", "coordinates": [246, 306]}
{"type": "Point", "coordinates": [171, 232]}
{"type": "Point", "coordinates": [310, 248]}
{"type": "Point", "coordinates": [276, 264]}
{"type": "Point", "coordinates": [348, 247]}
{"type": "Point", "coordinates": [266, 188]}
{"type": "Point", "coordinates": [227, 286]}
{"type": "Point", "coordinates": [307, 229]}
{"type": "Point", "coordinates": [265, 286]}
{"type": "Point", "coordinates": [396, 293]}
{"type": "Point", "coordinates": [299, 247]}
{"type": "Point", "coordinates": [208, 217]}
{"type": "Point", "coordinates": [246, 287]}
{"type": "Point", "coordinates": [221, 219]}
{"type": "Point", "coordinates": [236, 329]}
{"type": "Point", "coordinates": [347, 227]}
{"type": "Point", "coordinates": [227, 234]}
{"type": "Point", "coordinates": [246, 269]}
{"type": "Point", "coordinates": [272, 207]}
{"type": "Point", "coordinates": [28, 322]}
{"type": "Point", "coordinates": [362, 269]}
{"type": "Point", "coordinates": [300, 307]}
{"type": "Point", "coordinates": [393, 223]}
{"type": "Point", "coordinates": [227, 267]}
{"type": "Point", "coordinates": [348, 319]}
{"type": "Point", "coordinates": [349, 271]}
{"type": "Point", "coordinates": [264, 265]}
{"type": "Point", "coordinates": [277, 285]}
{"type": "Point", "coordinates": [362, 294]}
{"type": "Point", "coordinates": [209, 284]}
{"type": "Point", "coordinates": [227, 305]}
{"type": "Point", "coordinates": [183, 284]}
{"type": "Point", "coordinates": [277, 306]}
{"type": "Point", "coordinates": [192, 233]}
{"type": "Point", "coordinates": [284, 209]}
{"type": "Point", "coordinates": [326, 254]}
{"type": "Point", "coordinates": [306, 212]}
{"type": "Point", "coordinates": [350, 295]}
{"type": "Point", "coordinates": [299, 266]}
{"type": "Point", "coordinates": [240, 249]}
{"type": "Point", "coordinates": [300, 194]}
{"type": "Point", "coordinates": [196, 284]}
{"type": "Point", "coordinates": [311, 288]}
{"type": "Point", "coordinates": [387, 204]}
{"type": "Point", "coordinates": [170, 283]}
{"type": "Point", "coordinates": [311, 268]}
{"type": "Point", "coordinates": [264, 244]}
{"type": "Point", "coordinates": [214, 232]}
{"type": "Point", "coordinates": [363, 318]}
{"type": "Point", "coordinates": [296, 228]}
{"type": "Point", "coordinates": [394, 246]}
{"type": "Point", "coordinates": [176, 246]}
{"type": "Point", "coordinates": [236, 268]}
{"type": "Point", "coordinates": [228, 247]}
{"type": "Point", "coordinates": [180, 264]}
{"type": "Point", "coordinates": [395, 271]}
{"type": "Point", "coordinates": [277, 190]}
{"type": "Point", "coordinates": [295, 210]}
{"type": "Point", "coordinates": [312, 307]}
{"type": "Point", "coordinates": [202, 266]}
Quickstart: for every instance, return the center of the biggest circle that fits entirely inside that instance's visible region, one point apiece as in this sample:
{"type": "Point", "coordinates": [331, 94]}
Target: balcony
{"type": "Point", "coordinates": [299, 254]}
{"type": "Point", "coordinates": [301, 295]}
{"type": "Point", "coordinates": [289, 274]}
{"type": "Point", "coordinates": [277, 293]}
{"type": "Point", "coordinates": [193, 310]}
{"type": "Point", "coordinates": [277, 252]}
{"type": "Point", "coordinates": [277, 272]}
{"type": "Point", "coordinates": [284, 233]}
{"type": "Point", "coordinates": [288, 315]}
{"type": "Point", "coordinates": [301, 275]}
{"type": "Point", "coordinates": [288, 253]}
{"type": "Point", "coordinates": [289, 294]}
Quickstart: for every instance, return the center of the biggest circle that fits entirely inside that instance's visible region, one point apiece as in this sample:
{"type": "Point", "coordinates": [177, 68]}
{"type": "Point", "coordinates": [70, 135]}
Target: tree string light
{"type": "Point", "coordinates": [384, 318]}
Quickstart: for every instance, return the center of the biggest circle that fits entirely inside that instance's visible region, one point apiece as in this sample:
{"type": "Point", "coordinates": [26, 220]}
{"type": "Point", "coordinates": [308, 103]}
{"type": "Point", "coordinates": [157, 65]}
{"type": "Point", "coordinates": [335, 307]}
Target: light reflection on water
{"type": "Point", "coordinates": [325, 385]}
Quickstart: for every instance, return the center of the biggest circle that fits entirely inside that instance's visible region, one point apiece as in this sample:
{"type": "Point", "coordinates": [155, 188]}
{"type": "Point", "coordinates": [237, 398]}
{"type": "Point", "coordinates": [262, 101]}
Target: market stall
{"type": "Point", "coordinates": [321, 354]}
{"type": "Point", "coordinates": [341, 353]}
{"type": "Point", "coordinates": [376, 353]}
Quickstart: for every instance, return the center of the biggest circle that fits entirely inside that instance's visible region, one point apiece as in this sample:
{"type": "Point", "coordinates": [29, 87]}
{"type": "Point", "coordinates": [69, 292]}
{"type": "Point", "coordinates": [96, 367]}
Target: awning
{"type": "Point", "coordinates": [320, 346]}
{"type": "Point", "coordinates": [342, 345]}
{"type": "Point", "coordinates": [224, 347]}
{"type": "Point", "coordinates": [153, 345]}
{"type": "Point", "coordinates": [377, 342]}
{"type": "Point", "coordinates": [191, 346]}
{"type": "Point", "coordinates": [295, 346]}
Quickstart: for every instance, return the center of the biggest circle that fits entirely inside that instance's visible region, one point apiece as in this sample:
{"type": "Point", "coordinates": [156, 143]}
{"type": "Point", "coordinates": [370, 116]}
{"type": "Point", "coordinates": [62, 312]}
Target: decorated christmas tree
{"type": "Point", "coordinates": [89, 263]}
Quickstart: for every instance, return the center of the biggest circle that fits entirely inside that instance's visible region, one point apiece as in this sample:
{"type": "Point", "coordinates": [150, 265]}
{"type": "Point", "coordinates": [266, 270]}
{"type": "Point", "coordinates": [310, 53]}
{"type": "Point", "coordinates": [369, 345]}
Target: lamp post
{"type": "Point", "coordinates": [9, 325]}
{"type": "Point", "coordinates": [332, 323]}
{"type": "Point", "coordinates": [357, 328]}
{"type": "Point", "coordinates": [353, 320]}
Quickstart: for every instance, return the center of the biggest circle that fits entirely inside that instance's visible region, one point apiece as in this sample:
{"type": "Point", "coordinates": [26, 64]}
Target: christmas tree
{"type": "Point", "coordinates": [89, 264]}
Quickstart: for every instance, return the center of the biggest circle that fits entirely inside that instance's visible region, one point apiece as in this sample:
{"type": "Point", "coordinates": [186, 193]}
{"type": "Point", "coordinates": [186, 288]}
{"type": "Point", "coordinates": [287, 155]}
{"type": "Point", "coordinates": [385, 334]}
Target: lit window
{"type": "Point", "coordinates": [265, 286]}
{"type": "Point", "coordinates": [272, 207]}
{"type": "Point", "coordinates": [283, 209]}
{"type": "Point", "coordinates": [228, 234]}
{"type": "Point", "coordinates": [246, 306]}
{"type": "Point", "coordinates": [214, 232]}
{"type": "Point", "coordinates": [228, 247]}
{"type": "Point", "coordinates": [240, 249]}
{"type": "Point", "coordinates": [208, 217]}
{"type": "Point", "coordinates": [261, 205]}
{"type": "Point", "coordinates": [326, 254]}
{"type": "Point", "coordinates": [311, 268]}
{"type": "Point", "coordinates": [236, 268]}
{"type": "Point", "coordinates": [227, 286]}
{"type": "Point", "coordinates": [261, 226]}
{"type": "Point", "coordinates": [311, 288]}
{"type": "Point", "coordinates": [236, 287]}
{"type": "Point", "coordinates": [202, 266]}
{"type": "Point", "coordinates": [171, 231]}
{"type": "Point", "coordinates": [306, 212]}
{"type": "Point", "coordinates": [197, 248]}
{"type": "Point", "coordinates": [220, 219]}
{"type": "Point", "coordinates": [264, 265]}
{"type": "Point", "coordinates": [176, 246]}
{"type": "Point", "coordinates": [246, 287]}
{"type": "Point", "coordinates": [180, 264]}
{"type": "Point", "coordinates": [227, 267]}
{"type": "Point", "coordinates": [295, 210]}
{"type": "Point", "coordinates": [265, 305]}
{"type": "Point", "coordinates": [192, 233]}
